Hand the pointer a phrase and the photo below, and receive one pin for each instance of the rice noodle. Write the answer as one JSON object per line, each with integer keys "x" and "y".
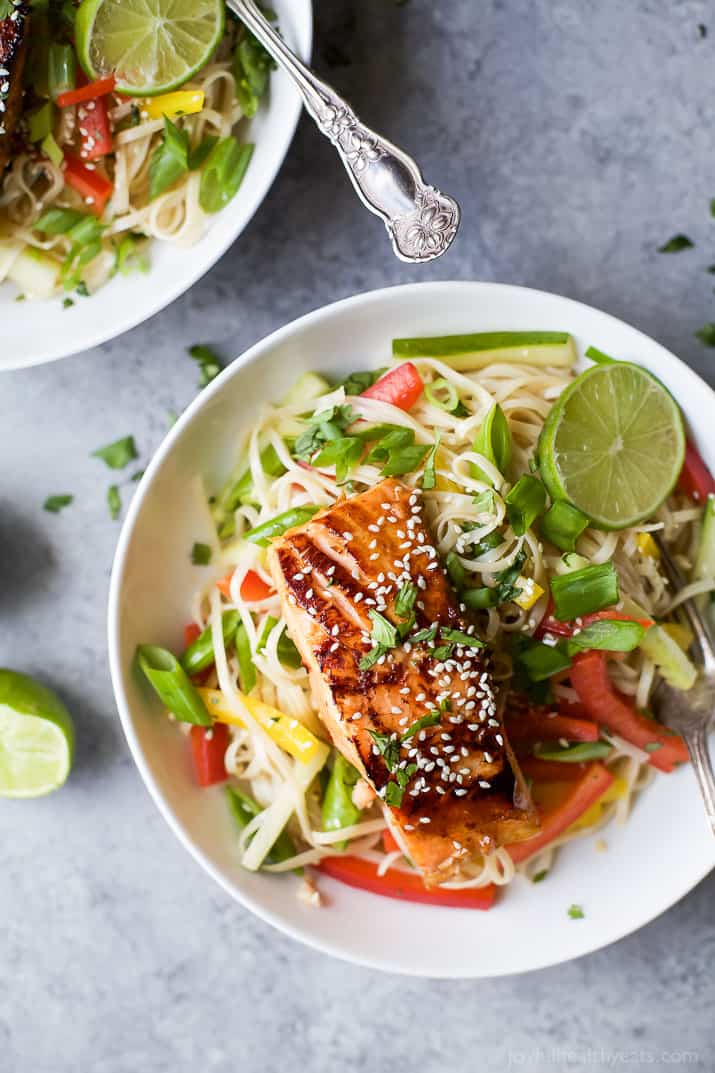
{"x": 32, "y": 185}
{"x": 459, "y": 527}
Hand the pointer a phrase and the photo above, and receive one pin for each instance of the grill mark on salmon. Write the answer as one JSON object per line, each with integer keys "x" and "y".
{"x": 14, "y": 36}
{"x": 460, "y": 786}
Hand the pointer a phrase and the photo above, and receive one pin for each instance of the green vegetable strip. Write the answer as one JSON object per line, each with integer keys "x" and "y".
{"x": 479, "y": 599}
{"x": 611, "y": 636}
{"x": 338, "y": 808}
{"x": 39, "y": 122}
{"x": 563, "y": 524}
{"x": 239, "y": 491}
{"x": 200, "y": 654}
{"x": 246, "y": 669}
{"x": 442, "y": 394}
{"x": 61, "y": 69}
{"x": 476, "y": 350}
{"x": 244, "y": 809}
{"x": 574, "y": 754}
{"x": 263, "y": 534}
{"x": 584, "y": 591}
{"x": 524, "y": 503}
{"x": 457, "y": 573}
{"x": 172, "y": 684}
{"x": 598, "y": 356}
{"x": 541, "y": 661}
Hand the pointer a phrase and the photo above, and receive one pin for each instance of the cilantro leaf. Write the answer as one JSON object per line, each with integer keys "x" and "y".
{"x": 356, "y": 383}
{"x": 388, "y": 747}
{"x": 118, "y": 454}
{"x": 114, "y": 502}
{"x": 429, "y": 477}
{"x": 429, "y": 720}
{"x": 676, "y": 244}
{"x": 201, "y": 554}
{"x": 576, "y": 912}
{"x": 405, "y": 601}
{"x": 54, "y": 504}
{"x": 322, "y": 428}
{"x": 706, "y": 334}
{"x": 383, "y": 632}
{"x": 459, "y": 637}
{"x": 207, "y": 361}
{"x": 343, "y": 453}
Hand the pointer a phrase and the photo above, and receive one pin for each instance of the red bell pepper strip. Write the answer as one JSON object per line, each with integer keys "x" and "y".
{"x": 94, "y": 128}
{"x": 191, "y": 634}
{"x": 589, "y": 677}
{"x": 401, "y": 387}
{"x": 95, "y": 188}
{"x": 592, "y": 783}
{"x": 208, "y": 748}
{"x": 253, "y": 587}
{"x": 407, "y": 886}
{"x": 88, "y": 92}
{"x": 552, "y": 625}
{"x": 534, "y": 724}
{"x": 695, "y": 478}
{"x": 389, "y": 842}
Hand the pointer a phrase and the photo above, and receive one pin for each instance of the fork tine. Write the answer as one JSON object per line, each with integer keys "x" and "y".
{"x": 696, "y": 620}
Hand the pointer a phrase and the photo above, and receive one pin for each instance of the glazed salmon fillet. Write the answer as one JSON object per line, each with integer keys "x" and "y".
{"x": 401, "y": 679}
{"x": 14, "y": 33}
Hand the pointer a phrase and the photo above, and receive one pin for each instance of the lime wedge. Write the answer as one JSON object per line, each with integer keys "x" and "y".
{"x": 151, "y": 46}
{"x": 36, "y": 737}
{"x": 613, "y": 445}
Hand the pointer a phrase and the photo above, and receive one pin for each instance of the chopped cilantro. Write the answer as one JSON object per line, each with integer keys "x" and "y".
{"x": 540, "y": 876}
{"x": 426, "y": 635}
{"x": 322, "y": 428}
{"x": 459, "y": 637}
{"x": 67, "y": 303}
{"x": 429, "y": 720}
{"x": 356, "y": 383}
{"x": 706, "y": 334}
{"x": 114, "y": 502}
{"x": 118, "y": 454}
{"x": 54, "y": 504}
{"x": 388, "y": 747}
{"x": 201, "y": 554}
{"x": 405, "y": 599}
{"x": 429, "y": 477}
{"x": 676, "y": 244}
{"x": 343, "y": 453}
{"x": 576, "y": 912}
{"x": 208, "y": 362}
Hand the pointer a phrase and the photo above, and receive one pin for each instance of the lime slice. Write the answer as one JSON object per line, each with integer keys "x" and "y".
{"x": 36, "y": 737}
{"x": 151, "y": 46}
{"x": 613, "y": 445}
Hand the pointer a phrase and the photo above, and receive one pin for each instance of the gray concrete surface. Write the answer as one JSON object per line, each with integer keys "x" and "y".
{"x": 578, "y": 138}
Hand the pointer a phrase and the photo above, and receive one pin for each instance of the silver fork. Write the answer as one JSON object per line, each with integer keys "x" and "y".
{"x": 690, "y": 713}
{"x": 421, "y": 221}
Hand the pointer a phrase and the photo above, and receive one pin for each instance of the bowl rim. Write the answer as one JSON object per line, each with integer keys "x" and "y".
{"x": 52, "y": 351}
{"x": 250, "y": 356}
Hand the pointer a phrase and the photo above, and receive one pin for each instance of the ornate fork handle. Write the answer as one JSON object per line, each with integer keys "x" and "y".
{"x": 421, "y": 221}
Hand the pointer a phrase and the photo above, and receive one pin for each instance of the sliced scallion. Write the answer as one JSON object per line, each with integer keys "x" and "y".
{"x": 584, "y": 591}
{"x": 563, "y": 524}
{"x": 524, "y": 503}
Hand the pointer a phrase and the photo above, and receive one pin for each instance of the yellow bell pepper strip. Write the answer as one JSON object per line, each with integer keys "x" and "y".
{"x": 183, "y": 102}
{"x": 286, "y": 732}
{"x": 647, "y": 546}
{"x": 682, "y": 635}
{"x": 529, "y": 593}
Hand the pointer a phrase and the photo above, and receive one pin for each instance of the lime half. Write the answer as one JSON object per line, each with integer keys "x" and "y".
{"x": 151, "y": 46}
{"x": 36, "y": 737}
{"x": 613, "y": 445}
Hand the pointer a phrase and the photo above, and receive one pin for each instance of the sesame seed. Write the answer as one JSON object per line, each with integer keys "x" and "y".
{"x": 425, "y": 819}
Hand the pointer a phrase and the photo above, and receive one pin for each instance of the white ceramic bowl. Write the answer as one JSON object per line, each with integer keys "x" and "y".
{"x": 666, "y": 847}
{"x": 36, "y": 332}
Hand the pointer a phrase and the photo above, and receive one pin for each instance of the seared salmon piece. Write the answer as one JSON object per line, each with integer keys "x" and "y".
{"x": 400, "y": 677}
{"x": 14, "y": 35}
